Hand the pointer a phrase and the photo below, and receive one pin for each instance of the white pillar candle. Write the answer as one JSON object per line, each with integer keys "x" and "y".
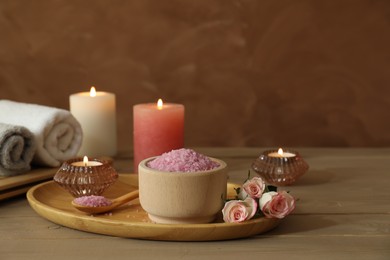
{"x": 96, "y": 112}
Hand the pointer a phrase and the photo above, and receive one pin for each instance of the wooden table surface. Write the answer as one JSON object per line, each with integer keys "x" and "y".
{"x": 343, "y": 212}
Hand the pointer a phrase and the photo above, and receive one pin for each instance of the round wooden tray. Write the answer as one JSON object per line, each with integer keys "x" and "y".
{"x": 53, "y": 203}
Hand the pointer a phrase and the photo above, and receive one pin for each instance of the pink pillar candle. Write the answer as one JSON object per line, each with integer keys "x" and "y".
{"x": 157, "y": 129}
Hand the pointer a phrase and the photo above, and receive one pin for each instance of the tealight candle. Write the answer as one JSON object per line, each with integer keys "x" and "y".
{"x": 281, "y": 154}
{"x": 158, "y": 128}
{"x": 85, "y": 177}
{"x": 86, "y": 162}
{"x": 280, "y": 168}
{"x": 96, "y": 112}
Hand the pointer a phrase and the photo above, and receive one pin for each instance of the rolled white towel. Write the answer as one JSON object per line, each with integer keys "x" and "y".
{"x": 17, "y": 148}
{"x": 57, "y": 133}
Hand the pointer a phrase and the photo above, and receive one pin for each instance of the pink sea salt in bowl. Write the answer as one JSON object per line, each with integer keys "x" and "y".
{"x": 183, "y": 196}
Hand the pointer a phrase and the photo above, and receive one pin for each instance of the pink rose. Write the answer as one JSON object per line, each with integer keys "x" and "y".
{"x": 276, "y": 204}
{"x": 254, "y": 187}
{"x": 236, "y": 211}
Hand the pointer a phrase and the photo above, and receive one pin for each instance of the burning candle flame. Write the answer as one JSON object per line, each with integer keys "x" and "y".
{"x": 85, "y": 160}
{"x": 92, "y": 92}
{"x": 280, "y": 151}
{"x": 159, "y": 104}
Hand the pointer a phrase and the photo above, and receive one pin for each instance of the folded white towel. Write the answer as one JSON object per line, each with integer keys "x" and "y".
{"x": 17, "y": 148}
{"x": 57, "y": 133}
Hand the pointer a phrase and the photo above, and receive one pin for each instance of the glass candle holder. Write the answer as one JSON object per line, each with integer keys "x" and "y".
{"x": 280, "y": 170}
{"x": 80, "y": 180}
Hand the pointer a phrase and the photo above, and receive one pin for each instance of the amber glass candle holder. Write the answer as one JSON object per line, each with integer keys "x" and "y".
{"x": 280, "y": 170}
{"x": 81, "y": 180}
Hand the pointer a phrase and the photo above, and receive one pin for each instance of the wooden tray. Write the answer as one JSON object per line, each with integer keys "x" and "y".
{"x": 53, "y": 203}
{"x": 20, "y": 184}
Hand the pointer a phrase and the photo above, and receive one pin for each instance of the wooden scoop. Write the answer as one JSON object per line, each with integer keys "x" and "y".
{"x": 115, "y": 203}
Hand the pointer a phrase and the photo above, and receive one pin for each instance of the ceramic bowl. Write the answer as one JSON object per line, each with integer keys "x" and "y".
{"x": 182, "y": 197}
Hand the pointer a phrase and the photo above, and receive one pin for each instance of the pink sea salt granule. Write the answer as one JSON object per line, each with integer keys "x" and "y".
{"x": 182, "y": 160}
{"x": 93, "y": 201}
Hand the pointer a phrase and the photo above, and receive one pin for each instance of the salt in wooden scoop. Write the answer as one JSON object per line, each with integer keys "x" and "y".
{"x": 107, "y": 204}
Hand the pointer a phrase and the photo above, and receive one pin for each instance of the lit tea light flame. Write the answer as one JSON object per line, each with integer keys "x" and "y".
{"x": 85, "y": 161}
{"x": 92, "y": 92}
{"x": 281, "y": 154}
{"x": 159, "y": 104}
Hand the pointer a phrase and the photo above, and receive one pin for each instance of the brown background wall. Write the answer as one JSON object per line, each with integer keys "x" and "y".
{"x": 250, "y": 73}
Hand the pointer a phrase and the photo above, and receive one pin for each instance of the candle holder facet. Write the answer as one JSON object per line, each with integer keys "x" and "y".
{"x": 85, "y": 180}
{"x": 280, "y": 171}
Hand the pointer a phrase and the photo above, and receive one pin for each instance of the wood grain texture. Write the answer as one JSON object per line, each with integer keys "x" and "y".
{"x": 250, "y": 73}
{"x": 20, "y": 184}
{"x": 342, "y": 213}
{"x": 131, "y": 221}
